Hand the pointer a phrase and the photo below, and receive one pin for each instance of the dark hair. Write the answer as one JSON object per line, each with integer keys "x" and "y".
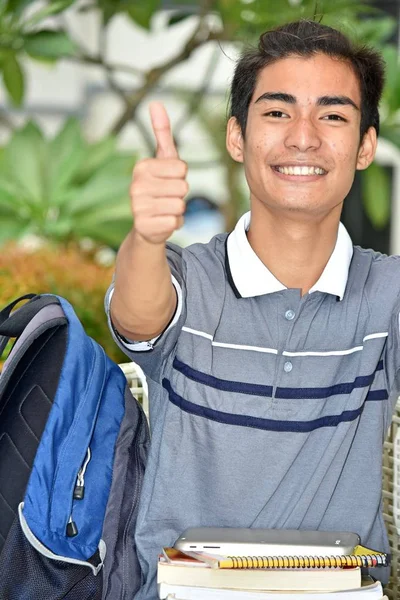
{"x": 305, "y": 39}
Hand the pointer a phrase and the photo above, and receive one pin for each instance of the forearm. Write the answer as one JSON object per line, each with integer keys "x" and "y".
{"x": 144, "y": 298}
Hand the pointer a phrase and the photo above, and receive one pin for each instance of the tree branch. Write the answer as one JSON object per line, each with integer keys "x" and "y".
{"x": 199, "y": 37}
{"x": 87, "y": 59}
{"x": 197, "y": 96}
{"x": 147, "y": 137}
{"x": 120, "y": 91}
{"x": 83, "y": 56}
{"x": 102, "y": 44}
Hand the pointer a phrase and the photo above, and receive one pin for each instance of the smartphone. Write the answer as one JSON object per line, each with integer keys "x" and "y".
{"x": 232, "y": 541}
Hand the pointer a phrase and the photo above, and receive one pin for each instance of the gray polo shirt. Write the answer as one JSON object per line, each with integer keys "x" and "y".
{"x": 269, "y": 409}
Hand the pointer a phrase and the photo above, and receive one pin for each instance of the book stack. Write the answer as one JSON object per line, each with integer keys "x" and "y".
{"x": 203, "y": 576}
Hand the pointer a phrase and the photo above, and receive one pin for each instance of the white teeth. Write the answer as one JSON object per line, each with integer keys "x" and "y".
{"x": 301, "y": 170}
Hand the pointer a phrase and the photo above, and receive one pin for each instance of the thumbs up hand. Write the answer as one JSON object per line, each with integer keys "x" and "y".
{"x": 159, "y": 185}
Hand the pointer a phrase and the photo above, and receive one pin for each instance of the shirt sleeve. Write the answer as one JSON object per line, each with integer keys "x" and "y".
{"x": 143, "y": 346}
{"x": 150, "y": 354}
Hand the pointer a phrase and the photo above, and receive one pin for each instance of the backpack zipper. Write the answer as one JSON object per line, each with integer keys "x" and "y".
{"x": 79, "y": 493}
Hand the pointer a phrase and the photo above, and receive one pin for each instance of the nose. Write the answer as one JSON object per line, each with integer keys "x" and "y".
{"x": 303, "y": 135}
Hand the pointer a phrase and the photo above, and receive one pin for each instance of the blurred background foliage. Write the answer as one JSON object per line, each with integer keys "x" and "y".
{"x": 70, "y": 273}
{"x": 63, "y": 189}
{"x": 66, "y": 189}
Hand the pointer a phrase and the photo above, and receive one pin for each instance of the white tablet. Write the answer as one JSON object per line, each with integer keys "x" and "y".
{"x": 231, "y": 541}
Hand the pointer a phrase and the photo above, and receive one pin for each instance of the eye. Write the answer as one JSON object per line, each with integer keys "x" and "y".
{"x": 277, "y": 114}
{"x": 334, "y": 118}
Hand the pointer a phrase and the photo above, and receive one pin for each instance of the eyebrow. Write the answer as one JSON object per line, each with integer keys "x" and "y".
{"x": 322, "y": 101}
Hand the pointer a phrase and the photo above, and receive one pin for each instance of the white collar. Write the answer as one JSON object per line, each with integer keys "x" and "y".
{"x": 252, "y": 278}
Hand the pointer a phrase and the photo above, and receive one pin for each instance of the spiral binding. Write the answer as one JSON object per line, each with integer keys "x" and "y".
{"x": 304, "y": 562}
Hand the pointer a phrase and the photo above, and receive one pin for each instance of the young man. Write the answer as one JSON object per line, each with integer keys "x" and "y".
{"x": 271, "y": 353}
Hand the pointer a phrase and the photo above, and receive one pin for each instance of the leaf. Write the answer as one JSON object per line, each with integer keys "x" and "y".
{"x": 178, "y": 17}
{"x": 99, "y": 191}
{"x": 376, "y": 190}
{"x": 120, "y": 165}
{"x": 13, "y": 77}
{"x": 142, "y": 12}
{"x": 108, "y": 233}
{"x": 58, "y": 229}
{"x": 66, "y": 153}
{"x": 53, "y": 8}
{"x": 25, "y": 161}
{"x": 375, "y": 31}
{"x": 17, "y": 6}
{"x": 119, "y": 209}
{"x": 8, "y": 199}
{"x": 247, "y": 19}
{"x": 11, "y": 193}
{"x": 392, "y": 134}
{"x": 391, "y": 92}
{"x": 40, "y": 188}
{"x": 95, "y": 156}
{"x": 11, "y": 228}
{"x": 49, "y": 44}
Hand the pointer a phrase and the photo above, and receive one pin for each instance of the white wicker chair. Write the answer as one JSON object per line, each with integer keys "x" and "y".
{"x": 391, "y": 500}
{"x": 137, "y": 384}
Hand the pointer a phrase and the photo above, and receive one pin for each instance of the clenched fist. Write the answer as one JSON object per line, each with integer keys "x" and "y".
{"x": 159, "y": 185}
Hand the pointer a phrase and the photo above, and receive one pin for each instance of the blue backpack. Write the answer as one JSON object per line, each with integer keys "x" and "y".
{"x": 73, "y": 447}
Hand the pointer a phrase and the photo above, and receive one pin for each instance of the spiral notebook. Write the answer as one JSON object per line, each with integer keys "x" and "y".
{"x": 176, "y": 568}
{"x": 360, "y": 557}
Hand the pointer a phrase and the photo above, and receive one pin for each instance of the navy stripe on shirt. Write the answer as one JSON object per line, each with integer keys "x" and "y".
{"x": 259, "y": 422}
{"x": 281, "y": 392}
{"x": 222, "y": 384}
{"x": 377, "y": 395}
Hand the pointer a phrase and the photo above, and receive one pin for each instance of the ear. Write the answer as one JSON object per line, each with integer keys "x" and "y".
{"x": 367, "y": 149}
{"x": 234, "y": 140}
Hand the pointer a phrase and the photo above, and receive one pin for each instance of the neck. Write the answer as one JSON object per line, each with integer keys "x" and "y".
{"x": 295, "y": 251}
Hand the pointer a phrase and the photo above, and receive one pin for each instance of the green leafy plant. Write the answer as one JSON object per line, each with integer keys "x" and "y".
{"x": 25, "y": 33}
{"x": 64, "y": 188}
{"x": 375, "y": 181}
{"x": 21, "y": 36}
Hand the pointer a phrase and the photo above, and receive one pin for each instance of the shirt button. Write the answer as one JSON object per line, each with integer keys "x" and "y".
{"x": 288, "y": 366}
{"x": 289, "y": 315}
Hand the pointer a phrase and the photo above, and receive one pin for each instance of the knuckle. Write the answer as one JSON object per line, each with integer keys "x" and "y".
{"x": 139, "y": 167}
{"x": 181, "y": 205}
{"x": 184, "y": 187}
{"x": 143, "y": 169}
{"x": 184, "y": 168}
{"x": 135, "y": 188}
{"x": 144, "y": 164}
{"x": 140, "y": 204}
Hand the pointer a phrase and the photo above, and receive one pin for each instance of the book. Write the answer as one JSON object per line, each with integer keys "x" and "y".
{"x": 175, "y": 567}
{"x": 179, "y": 592}
{"x": 361, "y": 557}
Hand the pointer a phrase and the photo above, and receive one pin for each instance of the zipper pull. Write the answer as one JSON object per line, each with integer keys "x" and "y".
{"x": 72, "y": 529}
{"x": 79, "y": 490}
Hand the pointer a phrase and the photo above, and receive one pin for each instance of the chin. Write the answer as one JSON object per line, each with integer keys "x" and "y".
{"x": 302, "y": 205}
{"x": 304, "y": 209}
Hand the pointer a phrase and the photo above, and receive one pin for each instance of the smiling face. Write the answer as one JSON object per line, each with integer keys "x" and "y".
{"x": 302, "y": 141}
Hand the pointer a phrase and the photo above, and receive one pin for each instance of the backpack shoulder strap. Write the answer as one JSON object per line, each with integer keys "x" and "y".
{"x": 13, "y": 324}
